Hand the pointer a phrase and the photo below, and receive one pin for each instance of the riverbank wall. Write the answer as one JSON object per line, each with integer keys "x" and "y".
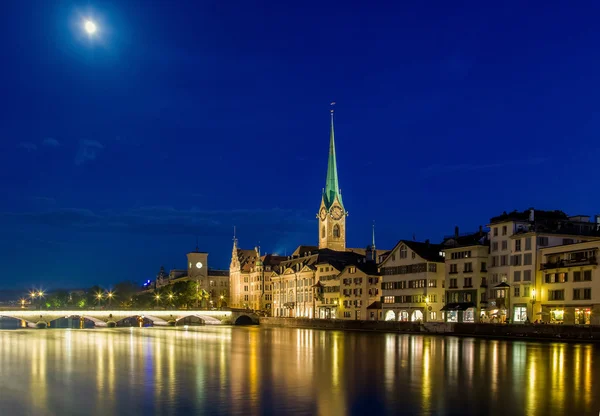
{"x": 515, "y": 331}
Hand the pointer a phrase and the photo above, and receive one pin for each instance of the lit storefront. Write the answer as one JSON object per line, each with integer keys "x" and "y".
{"x": 583, "y": 316}
{"x": 460, "y": 312}
{"x": 557, "y": 316}
{"x": 520, "y": 313}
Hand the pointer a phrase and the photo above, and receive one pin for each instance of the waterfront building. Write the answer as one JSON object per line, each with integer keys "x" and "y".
{"x": 413, "y": 282}
{"x": 251, "y": 285}
{"x": 215, "y": 282}
{"x": 466, "y": 258}
{"x": 515, "y": 241}
{"x": 568, "y": 289}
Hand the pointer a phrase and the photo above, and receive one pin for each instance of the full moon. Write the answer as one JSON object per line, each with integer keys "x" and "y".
{"x": 90, "y": 27}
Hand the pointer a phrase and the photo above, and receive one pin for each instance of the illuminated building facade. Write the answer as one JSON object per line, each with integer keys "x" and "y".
{"x": 568, "y": 289}
{"x": 515, "y": 241}
{"x": 466, "y": 258}
{"x": 413, "y": 282}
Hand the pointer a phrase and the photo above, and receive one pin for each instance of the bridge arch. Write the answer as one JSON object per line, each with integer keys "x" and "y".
{"x": 206, "y": 320}
{"x": 21, "y": 323}
{"x": 134, "y": 321}
{"x": 89, "y": 322}
{"x": 245, "y": 320}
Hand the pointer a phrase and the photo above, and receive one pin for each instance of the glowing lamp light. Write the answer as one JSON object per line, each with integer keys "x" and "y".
{"x": 90, "y": 27}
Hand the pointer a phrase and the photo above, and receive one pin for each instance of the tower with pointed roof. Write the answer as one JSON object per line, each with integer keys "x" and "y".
{"x": 332, "y": 214}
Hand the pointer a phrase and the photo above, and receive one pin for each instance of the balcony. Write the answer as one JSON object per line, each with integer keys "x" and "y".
{"x": 570, "y": 263}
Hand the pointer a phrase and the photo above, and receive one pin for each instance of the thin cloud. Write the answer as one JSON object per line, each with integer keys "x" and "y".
{"x": 50, "y": 142}
{"x": 88, "y": 150}
{"x": 30, "y": 147}
{"x": 165, "y": 220}
{"x": 434, "y": 170}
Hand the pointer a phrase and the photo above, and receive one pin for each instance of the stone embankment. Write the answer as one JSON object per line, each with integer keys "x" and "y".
{"x": 517, "y": 331}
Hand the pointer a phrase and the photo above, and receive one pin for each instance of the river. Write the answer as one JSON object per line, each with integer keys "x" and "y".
{"x": 258, "y": 370}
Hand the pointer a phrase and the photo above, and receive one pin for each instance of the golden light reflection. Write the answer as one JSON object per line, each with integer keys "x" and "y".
{"x": 587, "y": 383}
{"x": 253, "y": 358}
{"x": 426, "y": 377}
{"x": 391, "y": 345}
{"x": 167, "y": 367}
{"x": 495, "y": 369}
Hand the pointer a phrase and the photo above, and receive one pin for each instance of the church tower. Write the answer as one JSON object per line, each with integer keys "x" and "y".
{"x": 332, "y": 215}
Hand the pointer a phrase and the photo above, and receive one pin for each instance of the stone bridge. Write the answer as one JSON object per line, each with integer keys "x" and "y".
{"x": 101, "y": 318}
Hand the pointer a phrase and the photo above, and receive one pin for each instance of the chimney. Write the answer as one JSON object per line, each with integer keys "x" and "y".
{"x": 427, "y": 242}
{"x": 481, "y": 229}
{"x": 456, "y": 232}
{"x": 531, "y": 215}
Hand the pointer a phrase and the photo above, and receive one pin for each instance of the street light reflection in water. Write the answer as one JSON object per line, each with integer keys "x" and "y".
{"x": 252, "y": 370}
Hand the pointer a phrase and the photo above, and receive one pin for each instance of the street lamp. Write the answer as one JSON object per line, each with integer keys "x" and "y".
{"x": 40, "y": 294}
{"x": 99, "y": 297}
{"x": 171, "y": 299}
{"x": 110, "y": 295}
{"x": 532, "y": 302}
{"x": 157, "y": 297}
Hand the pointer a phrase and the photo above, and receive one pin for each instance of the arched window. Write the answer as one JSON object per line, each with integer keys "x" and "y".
{"x": 336, "y": 231}
{"x": 390, "y": 316}
{"x": 323, "y": 232}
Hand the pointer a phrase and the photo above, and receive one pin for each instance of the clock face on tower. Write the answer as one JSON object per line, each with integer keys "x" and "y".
{"x": 337, "y": 213}
{"x": 199, "y": 265}
{"x": 323, "y": 214}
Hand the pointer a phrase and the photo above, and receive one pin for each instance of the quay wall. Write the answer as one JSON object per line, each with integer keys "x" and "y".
{"x": 478, "y": 330}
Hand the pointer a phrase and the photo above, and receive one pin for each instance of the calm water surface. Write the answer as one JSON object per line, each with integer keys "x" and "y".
{"x": 252, "y": 371}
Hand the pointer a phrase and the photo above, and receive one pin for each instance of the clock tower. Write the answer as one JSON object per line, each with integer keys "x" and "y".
{"x": 197, "y": 265}
{"x": 332, "y": 215}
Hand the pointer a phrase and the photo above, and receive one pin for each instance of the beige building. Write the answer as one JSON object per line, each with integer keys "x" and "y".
{"x": 360, "y": 292}
{"x": 214, "y": 282}
{"x": 413, "y": 282}
{"x": 568, "y": 288}
{"x": 251, "y": 272}
{"x": 515, "y": 241}
{"x": 326, "y": 284}
{"x": 466, "y": 258}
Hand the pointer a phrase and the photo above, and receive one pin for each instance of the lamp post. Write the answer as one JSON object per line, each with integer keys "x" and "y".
{"x": 426, "y": 309}
{"x": 221, "y": 302}
{"x": 40, "y": 295}
{"x": 171, "y": 299}
{"x": 532, "y": 302}
{"x": 335, "y": 308}
{"x": 157, "y": 297}
{"x": 109, "y": 295}
{"x": 99, "y": 298}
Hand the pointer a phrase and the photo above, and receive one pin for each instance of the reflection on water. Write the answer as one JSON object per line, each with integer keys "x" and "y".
{"x": 225, "y": 370}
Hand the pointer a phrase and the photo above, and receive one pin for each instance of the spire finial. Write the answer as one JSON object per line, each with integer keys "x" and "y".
{"x": 373, "y": 244}
{"x": 332, "y": 189}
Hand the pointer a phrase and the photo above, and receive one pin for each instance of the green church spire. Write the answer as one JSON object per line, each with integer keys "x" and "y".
{"x": 332, "y": 188}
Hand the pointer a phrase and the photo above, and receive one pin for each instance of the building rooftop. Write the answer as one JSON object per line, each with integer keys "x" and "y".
{"x": 526, "y": 215}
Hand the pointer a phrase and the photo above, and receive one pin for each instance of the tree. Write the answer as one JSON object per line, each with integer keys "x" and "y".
{"x": 58, "y": 299}
{"x": 124, "y": 293}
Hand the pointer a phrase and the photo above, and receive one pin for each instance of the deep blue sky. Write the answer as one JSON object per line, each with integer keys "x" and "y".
{"x": 183, "y": 119}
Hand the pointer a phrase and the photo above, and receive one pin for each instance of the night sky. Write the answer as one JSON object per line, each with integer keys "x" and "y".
{"x": 179, "y": 120}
